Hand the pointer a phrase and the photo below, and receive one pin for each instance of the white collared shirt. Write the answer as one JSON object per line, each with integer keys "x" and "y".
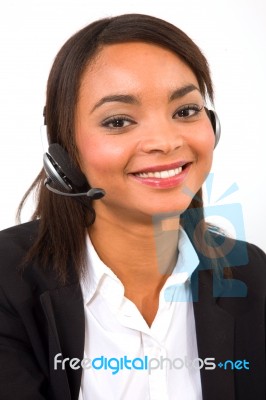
{"x": 125, "y": 359}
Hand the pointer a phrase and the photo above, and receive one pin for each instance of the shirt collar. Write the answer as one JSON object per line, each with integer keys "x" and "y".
{"x": 97, "y": 271}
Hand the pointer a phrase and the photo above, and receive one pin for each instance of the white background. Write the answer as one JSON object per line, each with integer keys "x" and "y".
{"x": 232, "y": 35}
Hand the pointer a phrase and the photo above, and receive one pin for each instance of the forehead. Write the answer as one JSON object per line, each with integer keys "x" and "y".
{"x": 133, "y": 65}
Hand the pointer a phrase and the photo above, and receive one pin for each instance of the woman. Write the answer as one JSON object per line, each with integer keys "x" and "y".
{"x": 123, "y": 291}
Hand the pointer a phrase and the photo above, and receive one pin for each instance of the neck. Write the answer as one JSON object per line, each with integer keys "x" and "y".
{"x": 140, "y": 254}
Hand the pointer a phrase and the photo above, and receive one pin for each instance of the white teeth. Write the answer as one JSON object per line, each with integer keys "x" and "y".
{"x": 171, "y": 172}
{"x": 162, "y": 174}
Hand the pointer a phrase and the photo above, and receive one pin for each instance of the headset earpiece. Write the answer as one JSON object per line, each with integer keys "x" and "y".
{"x": 216, "y": 125}
{"x": 61, "y": 171}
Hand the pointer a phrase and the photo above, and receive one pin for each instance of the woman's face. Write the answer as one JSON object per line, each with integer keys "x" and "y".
{"x": 141, "y": 131}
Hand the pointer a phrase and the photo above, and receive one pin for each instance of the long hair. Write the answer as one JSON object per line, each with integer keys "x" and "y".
{"x": 62, "y": 221}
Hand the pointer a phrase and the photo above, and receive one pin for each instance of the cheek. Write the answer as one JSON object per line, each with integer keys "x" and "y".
{"x": 203, "y": 144}
{"x": 99, "y": 157}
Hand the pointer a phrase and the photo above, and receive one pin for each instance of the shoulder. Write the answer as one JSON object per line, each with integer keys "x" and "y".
{"x": 246, "y": 261}
{"x": 237, "y": 252}
{"x": 252, "y": 270}
{"x": 233, "y": 258}
{"x": 255, "y": 252}
{"x": 15, "y": 243}
{"x": 21, "y": 235}
{"x": 18, "y": 275}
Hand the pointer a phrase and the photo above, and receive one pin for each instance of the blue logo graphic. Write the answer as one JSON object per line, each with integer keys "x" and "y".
{"x": 238, "y": 364}
{"x": 216, "y": 248}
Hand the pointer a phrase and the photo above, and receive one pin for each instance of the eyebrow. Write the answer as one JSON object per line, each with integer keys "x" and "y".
{"x": 120, "y": 98}
{"x": 183, "y": 91}
{"x": 129, "y": 99}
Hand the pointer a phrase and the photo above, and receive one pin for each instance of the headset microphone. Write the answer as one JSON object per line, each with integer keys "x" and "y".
{"x": 94, "y": 193}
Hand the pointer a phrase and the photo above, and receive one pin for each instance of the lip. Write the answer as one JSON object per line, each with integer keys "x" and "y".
{"x": 159, "y": 168}
{"x": 164, "y": 183}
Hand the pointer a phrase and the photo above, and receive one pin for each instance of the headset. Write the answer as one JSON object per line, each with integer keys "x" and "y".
{"x": 65, "y": 179}
{"x": 216, "y": 125}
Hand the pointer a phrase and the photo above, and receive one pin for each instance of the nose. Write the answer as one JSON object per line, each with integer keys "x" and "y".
{"x": 161, "y": 138}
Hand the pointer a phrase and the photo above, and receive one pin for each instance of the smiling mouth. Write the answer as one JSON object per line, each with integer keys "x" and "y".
{"x": 164, "y": 174}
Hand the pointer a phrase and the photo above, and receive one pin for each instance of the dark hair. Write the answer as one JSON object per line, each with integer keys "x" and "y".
{"x": 63, "y": 218}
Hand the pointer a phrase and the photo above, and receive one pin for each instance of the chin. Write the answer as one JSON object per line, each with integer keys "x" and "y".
{"x": 173, "y": 209}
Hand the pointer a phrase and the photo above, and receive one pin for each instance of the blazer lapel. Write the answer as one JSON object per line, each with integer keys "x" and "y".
{"x": 215, "y": 337}
{"x": 64, "y": 312}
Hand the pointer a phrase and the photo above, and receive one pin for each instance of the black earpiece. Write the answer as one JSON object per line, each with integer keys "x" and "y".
{"x": 60, "y": 169}
{"x": 216, "y": 125}
{"x": 63, "y": 177}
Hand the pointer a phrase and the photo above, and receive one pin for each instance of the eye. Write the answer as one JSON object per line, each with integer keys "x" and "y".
{"x": 187, "y": 111}
{"x": 117, "y": 122}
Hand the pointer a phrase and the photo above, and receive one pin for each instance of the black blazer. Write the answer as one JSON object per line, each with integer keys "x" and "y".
{"x": 39, "y": 318}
